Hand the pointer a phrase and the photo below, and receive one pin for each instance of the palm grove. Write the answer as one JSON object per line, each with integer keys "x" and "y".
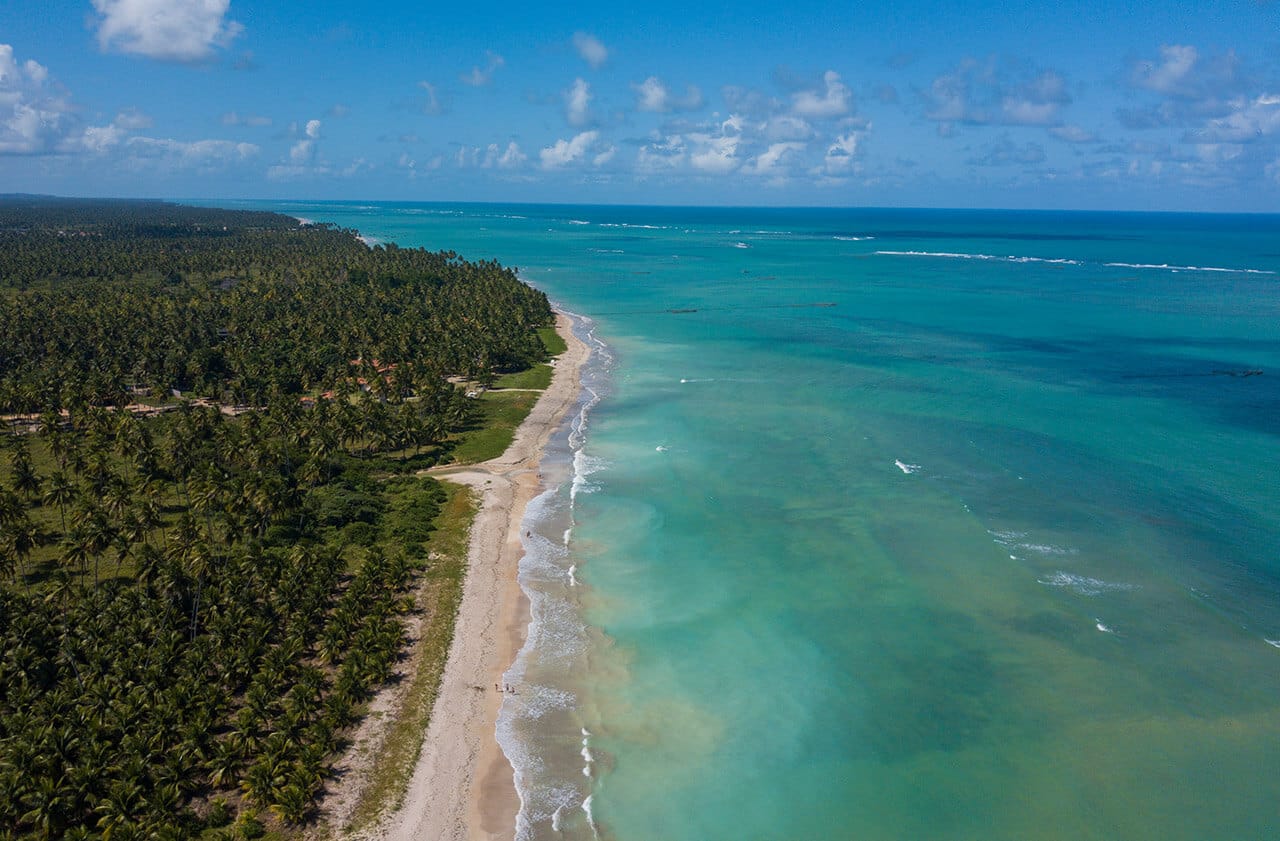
{"x": 209, "y": 522}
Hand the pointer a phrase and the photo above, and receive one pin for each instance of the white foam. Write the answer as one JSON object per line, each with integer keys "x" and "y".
{"x": 591, "y": 819}
{"x": 853, "y": 239}
{"x": 906, "y": 468}
{"x": 573, "y": 579}
{"x": 740, "y": 245}
{"x": 587, "y": 758}
{"x": 579, "y": 222}
{"x": 1010, "y": 258}
{"x": 1275, "y": 643}
{"x": 1170, "y": 268}
{"x": 1084, "y": 585}
{"x": 1101, "y": 627}
{"x": 660, "y": 449}
{"x": 369, "y": 241}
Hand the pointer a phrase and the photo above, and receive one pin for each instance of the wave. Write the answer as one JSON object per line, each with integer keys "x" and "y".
{"x": 1066, "y": 261}
{"x": 606, "y": 251}
{"x": 1011, "y": 258}
{"x": 631, "y": 225}
{"x": 907, "y": 468}
{"x": 1168, "y": 267}
{"x": 531, "y": 728}
{"x": 1084, "y": 585}
{"x": 852, "y": 239}
{"x": 740, "y": 245}
{"x": 579, "y": 222}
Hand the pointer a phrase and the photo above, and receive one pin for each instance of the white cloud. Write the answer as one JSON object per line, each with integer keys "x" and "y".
{"x": 661, "y": 154}
{"x": 132, "y": 119}
{"x": 512, "y": 157}
{"x": 478, "y": 77}
{"x": 303, "y": 151}
{"x": 100, "y": 139}
{"x": 169, "y": 30}
{"x": 834, "y": 102}
{"x": 1249, "y": 120}
{"x": 715, "y": 155}
{"x": 197, "y": 153}
{"x": 770, "y": 163}
{"x": 232, "y": 118}
{"x": 787, "y": 127}
{"x": 431, "y": 102}
{"x": 34, "y": 117}
{"x": 592, "y": 51}
{"x": 985, "y": 93}
{"x": 605, "y": 156}
{"x": 491, "y": 157}
{"x": 841, "y": 156}
{"x": 577, "y": 103}
{"x": 564, "y": 152}
{"x": 653, "y": 95}
{"x": 1172, "y": 74}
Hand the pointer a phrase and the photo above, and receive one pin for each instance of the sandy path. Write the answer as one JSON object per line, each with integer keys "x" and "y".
{"x": 463, "y": 786}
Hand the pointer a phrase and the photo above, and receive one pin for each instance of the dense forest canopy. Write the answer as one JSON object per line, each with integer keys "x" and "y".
{"x": 99, "y": 301}
{"x": 198, "y": 595}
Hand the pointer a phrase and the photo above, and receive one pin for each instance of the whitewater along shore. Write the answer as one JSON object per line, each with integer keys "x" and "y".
{"x": 463, "y": 787}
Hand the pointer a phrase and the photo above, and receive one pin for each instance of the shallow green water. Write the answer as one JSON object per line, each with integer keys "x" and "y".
{"x": 987, "y": 549}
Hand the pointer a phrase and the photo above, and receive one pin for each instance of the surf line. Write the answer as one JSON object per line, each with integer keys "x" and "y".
{"x": 686, "y": 310}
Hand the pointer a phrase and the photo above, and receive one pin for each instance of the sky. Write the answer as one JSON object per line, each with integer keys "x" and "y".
{"x": 1101, "y": 105}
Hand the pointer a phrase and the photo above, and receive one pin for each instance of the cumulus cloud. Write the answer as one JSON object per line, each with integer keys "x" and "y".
{"x": 987, "y": 93}
{"x": 200, "y": 154}
{"x": 303, "y": 151}
{"x": 771, "y": 163}
{"x": 1253, "y": 119}
{"x": 1171, "y": 74}
{"x": 480, "y": 77}
{"x": 564, "y": 152}
{"x": 833, "y": 102}
{"x": 35, "y": 116}
{"x": 577, "y": 103}
{"x": 592, "y": 51}
{"x": 168, "y": 30}
{"x": 841, "y": 158}
{"x": 652, "y": 95}
{"x": 661, "y": 154}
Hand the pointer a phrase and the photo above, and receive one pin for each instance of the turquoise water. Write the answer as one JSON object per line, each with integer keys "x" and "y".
{"x": 990, "y": 548}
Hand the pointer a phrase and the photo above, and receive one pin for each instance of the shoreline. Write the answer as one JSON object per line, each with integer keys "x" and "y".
{"x": 462, "y": 786}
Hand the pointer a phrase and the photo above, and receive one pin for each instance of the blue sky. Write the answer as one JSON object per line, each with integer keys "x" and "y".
{"x": 1153, "y": 106}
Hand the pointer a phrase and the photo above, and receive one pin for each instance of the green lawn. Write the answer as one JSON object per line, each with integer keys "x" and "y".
{"x": 539, "y": 377}
{"x": 501, "y": 412}
{"x": 552, "y": 341}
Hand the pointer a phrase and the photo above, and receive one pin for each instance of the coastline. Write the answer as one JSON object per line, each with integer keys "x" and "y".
{"x": 462, "y": 786}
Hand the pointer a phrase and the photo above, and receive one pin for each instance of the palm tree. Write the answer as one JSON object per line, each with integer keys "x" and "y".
{"x": 61, "y": 492}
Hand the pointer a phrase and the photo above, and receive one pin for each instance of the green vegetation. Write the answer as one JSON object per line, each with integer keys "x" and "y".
{"x": 500, "y": 413}
{"x": 198, "y": 596}
{"x": 438, "y": 601}
{"x": 552, "y": 341}
{"x": 538, "y": 377}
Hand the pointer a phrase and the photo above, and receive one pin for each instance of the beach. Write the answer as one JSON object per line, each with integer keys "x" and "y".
{"x": 462, "y": 786}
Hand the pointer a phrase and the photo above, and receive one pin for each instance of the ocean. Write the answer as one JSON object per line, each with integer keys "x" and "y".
{"x": 887, "y": 524}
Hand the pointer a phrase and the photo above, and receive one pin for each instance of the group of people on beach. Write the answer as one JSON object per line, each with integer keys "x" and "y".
{"x": 505, "y": 687}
